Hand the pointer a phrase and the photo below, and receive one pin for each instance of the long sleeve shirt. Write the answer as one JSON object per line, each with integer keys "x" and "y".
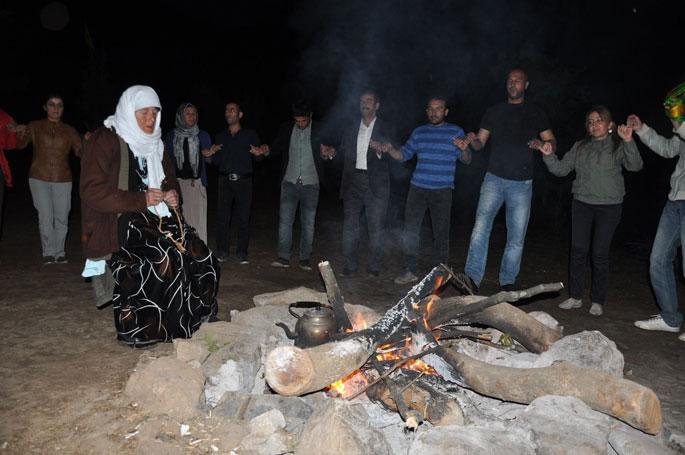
{"x": 668, "y": 148}
{"x": 599, "y": 176}
{"x": 52, "y": 142}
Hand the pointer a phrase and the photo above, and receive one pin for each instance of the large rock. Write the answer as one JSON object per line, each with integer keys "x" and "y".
{"x": 589, "y": 349}
{"x": 167, "y": 386}
{"x": 547, "y": 320}
{"x": 564, "y": 424}
{"x": 493, "y": 439}
{"x": 632, "y": 442}
{"x": 233, "y": 368}
{"x": 495, "y": 356}
{"x": 337, "y": 427}
{"x": 299, "y": 294}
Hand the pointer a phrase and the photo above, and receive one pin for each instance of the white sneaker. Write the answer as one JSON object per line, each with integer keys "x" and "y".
{"x": 406, "y": 277}
{"x": 571, "y": 303}
{"x": 596, "y": 309}
{"x": 656, "y": 323}
{"x": 681, "y": 337}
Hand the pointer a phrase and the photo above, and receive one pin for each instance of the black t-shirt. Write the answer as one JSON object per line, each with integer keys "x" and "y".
{"x": 511, "y": 126}
{"x": 235, "y": 156}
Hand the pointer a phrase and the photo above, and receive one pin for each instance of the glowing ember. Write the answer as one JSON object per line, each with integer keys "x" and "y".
{"x": 348, "y": 386}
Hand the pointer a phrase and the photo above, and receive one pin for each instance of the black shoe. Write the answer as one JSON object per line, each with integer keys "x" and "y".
{"x": 507, "y": 287}
{"x": 135, "y": 342}
{"x": 61, "y": 260}
{"x": 221, "y": 257}
{"x": 281, "y": 263}
{"x": 304, "y": 265}
{"x": 47, "y": 260}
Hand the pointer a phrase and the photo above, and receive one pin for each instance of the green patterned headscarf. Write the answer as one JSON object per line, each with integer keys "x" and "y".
{"x": 675, "y": 103}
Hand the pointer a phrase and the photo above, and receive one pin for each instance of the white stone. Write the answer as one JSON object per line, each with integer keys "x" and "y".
{"x": 589, "y": 349}
{"x": 634, "y": 442}
{"x": 267, "y": 423}
{"x": 472, "y": 439}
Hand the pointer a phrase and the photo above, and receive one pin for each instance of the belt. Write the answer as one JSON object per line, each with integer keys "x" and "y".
{"x": 360, "y": 171}
{"x": 233, "y": 177}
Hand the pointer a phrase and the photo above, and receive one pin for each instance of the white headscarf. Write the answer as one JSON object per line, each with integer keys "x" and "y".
{"x": 143, "y": 145}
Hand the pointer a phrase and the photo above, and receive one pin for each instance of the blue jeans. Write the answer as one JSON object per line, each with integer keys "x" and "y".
{"x": 669, "y": 236}
{"x": 307, "y": 196}
{"x": 516, "y": 196}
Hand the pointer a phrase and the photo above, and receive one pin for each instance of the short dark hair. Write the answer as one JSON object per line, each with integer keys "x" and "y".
{"x": 237, "y": 103}
{"x": 437, "y": 97}
{"x": 370, "y": 91}
{"x": 301, "y": 108}
{"x": 52, "y": 95}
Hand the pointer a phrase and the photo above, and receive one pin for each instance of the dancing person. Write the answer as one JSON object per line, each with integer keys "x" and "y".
{"x": 298, "y": 144}
{"x": 671, "y": 231}
{"x": 365, "y": 184}
{"x": 508, "y": 127}
{"x": 50, "y": 177}
{"x": 431, "y": 185}
{"x": 158, "y": 274}
{"x": 237, "y": 149}
{"x": 598, "y": 190}
{"x": 187, "y": 144}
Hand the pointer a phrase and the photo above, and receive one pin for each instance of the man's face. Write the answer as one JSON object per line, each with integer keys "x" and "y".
{"x": 146, "y": 118}
{"x": 233, "y": 114}
{"x": 302, "y": 121}
{"x": 368, "y": 105}
{"x": 54, "y": 108}
{"x": 517, "y": 83}
{"x": 436, "y": 111}
{"x": 190, "y": 116}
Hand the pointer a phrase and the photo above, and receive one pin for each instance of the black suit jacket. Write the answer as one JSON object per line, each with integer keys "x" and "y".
{"x": 378, "y": 169}
{"x": 281, "y": 148}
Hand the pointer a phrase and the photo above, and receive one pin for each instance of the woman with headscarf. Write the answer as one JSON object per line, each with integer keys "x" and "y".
{"x": 186, "y": 144}
{"x": 160, "y": 277}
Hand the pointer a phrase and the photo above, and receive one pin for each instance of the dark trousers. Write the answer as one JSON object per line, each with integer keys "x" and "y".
{"x": 239, "y": 194}
{"x": 594, "y": 223}
{"x": 357, "y": 198}
{"x": 439, "y": 205}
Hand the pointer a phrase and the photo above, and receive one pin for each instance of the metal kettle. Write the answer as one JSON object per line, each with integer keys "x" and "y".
{"x": 315, "y": 326}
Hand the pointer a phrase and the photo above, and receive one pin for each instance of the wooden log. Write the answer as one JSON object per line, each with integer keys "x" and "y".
{"x": 626, "y": 400}
{"x": 436, "y": 408}
{"x": 293, "y": 371}
{"x": 532, "y": 334}
{"x": 335, "y": 297}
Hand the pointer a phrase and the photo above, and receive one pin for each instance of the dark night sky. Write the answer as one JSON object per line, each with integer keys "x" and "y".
{"x": 626, "y": 55}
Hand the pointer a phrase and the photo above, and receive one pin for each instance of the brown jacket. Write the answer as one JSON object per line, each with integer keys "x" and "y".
{"x": 52, "y": 142}
{"x": 101, "y": 199}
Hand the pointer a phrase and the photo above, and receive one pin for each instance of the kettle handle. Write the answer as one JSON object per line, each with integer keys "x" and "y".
{"x": 290, "y": 310}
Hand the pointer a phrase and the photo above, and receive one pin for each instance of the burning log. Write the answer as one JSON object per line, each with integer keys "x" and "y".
{"x": 628, "y": 401}
{"x": 436, "y": 407}
{"x": 293, "y": 371}
{"x": 532, "y": 334}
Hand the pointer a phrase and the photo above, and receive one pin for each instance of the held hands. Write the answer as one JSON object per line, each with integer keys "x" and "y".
{"x": 625, "y": 132}
{"x": 171, "y": 198}
{"x": 259, "y": 151}
{"x": 153, "y": 196}
{"x": 634, "y": 123}
{"x": 380, "y": 147}
{"x": 544, "y": 146}
{"x": 19, "y": 129}
{"x": 327, "y": 152}
{"x": 211, "y": 150}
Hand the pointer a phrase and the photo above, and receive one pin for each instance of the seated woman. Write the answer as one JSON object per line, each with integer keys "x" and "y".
{"x": 160, "y": 277}
{"x": 598, "y": 190}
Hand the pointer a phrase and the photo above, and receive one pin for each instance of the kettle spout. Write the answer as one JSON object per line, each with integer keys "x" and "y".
{"x": 287, "y": 331}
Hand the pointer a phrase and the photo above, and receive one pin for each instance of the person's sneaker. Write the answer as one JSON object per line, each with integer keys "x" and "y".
{"x": 304, "y": 265}
{"x": 507, "y": 287}
{"x": 222, "y": 257}
{"x": 571, "y": 303}
{"x": 281, "y": 263}
{"x": 656, "y": 323}
{"x": 61, "y": 260}
{"x": 681, "y": 337}
{"x": 243, "y": 261}
{"x": 596, "y": 309}
{"x": 47, "y": 260}
{"x": 406, "y": 277}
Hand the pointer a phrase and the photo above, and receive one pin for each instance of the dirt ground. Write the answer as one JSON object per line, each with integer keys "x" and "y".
{"x": 62, "y": 372}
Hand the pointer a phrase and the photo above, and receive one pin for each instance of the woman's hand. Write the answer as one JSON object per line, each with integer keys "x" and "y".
{"x": 634, "y": 122}
{"x": 171, "y": 198}
{"x": 153, "y": 196}
{"x": 625, "y": 132}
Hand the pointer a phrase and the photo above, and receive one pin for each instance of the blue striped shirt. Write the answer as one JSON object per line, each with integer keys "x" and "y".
{"x": 437, "y": 156}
